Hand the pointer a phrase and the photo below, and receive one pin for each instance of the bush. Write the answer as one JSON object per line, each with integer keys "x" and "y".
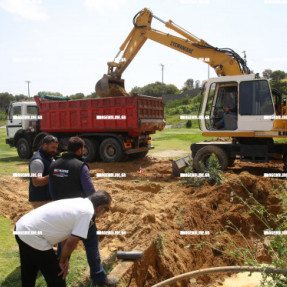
{"x": 213, "y": 169}
{"x": 215, "y": 173}
{"x": 188, "y": 124}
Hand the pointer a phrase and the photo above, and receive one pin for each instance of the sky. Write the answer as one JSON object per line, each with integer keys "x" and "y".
{"x": 64, "y": 45}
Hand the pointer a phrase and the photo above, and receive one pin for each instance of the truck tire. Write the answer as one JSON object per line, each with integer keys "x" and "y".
{"x": 138, "y": 154}
{"x": 110, "y": 150}
{"x": 90, "y": 150}
{"x": 204, "y": 153}
{"x": 24, "y": 149}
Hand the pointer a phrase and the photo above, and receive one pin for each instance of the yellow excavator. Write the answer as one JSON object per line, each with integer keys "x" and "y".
{"x": 237, "y": 104}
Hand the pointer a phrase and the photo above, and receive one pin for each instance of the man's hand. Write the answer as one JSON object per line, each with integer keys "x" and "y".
{"x": 40, "y": 181}
{"x": 67, "y": 248}
{"x": 64, "y": 265}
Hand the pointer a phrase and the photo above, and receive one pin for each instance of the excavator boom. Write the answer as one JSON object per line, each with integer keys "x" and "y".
{"x": 225, "y": 61}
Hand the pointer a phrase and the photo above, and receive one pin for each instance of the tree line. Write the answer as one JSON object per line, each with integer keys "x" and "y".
{"x": 278, "y": 80}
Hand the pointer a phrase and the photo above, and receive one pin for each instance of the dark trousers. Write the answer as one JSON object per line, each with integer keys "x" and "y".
{"x": 33, "y": 260}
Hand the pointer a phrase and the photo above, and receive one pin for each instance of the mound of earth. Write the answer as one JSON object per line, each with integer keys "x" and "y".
{"x": 153, "y": 208}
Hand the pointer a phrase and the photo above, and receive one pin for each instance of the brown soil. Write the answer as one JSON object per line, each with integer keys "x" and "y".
{"x": 154, "y": 207}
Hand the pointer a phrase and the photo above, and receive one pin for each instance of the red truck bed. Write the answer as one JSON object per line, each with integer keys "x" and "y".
{"x": 142, "y": 114}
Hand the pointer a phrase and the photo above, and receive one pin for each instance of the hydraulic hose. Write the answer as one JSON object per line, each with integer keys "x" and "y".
{"x": 221, "y": 269}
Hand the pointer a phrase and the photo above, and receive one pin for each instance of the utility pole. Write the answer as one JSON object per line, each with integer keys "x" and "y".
{"x": 28, "y": 82}
{"x": 162, "y": 68}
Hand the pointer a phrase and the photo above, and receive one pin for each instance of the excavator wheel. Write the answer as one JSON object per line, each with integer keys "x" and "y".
{"x": 204, "y": 154}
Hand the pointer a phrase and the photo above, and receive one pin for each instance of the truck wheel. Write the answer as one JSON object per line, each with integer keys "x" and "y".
{"x": 90, "y": 150}
{"x": 110, "y": 150}
{"x": 138, "y": 154}
{"x": 24, "y": 149}
{"x": 204, "y": 153}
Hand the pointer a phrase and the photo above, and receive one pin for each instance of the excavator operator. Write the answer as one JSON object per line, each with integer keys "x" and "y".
{"x": 230, "y": 110}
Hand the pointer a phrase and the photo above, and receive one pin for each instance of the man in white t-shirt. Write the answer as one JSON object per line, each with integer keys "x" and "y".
{"x": 67, "y": 221}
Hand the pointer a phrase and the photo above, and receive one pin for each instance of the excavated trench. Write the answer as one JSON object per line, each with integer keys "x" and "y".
{"x": 153, "y": 208}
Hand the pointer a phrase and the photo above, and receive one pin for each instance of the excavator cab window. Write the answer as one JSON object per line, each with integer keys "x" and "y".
{"x": 255, "y": 98}
{"x": 222, "y": 107}
{"x": 209, "y": 109}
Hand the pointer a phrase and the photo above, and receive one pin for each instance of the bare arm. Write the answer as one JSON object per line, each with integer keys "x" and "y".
{"x": 37, "y": 166}
{"x": 40, "y": 181}
{"x": 67, "y": 248}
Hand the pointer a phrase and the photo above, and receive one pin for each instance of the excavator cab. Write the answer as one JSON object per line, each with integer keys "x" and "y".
{"x": 222, "y": 106}
{"x": 238, "y": 103}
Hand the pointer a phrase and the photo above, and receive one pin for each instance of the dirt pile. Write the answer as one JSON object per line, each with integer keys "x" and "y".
{"x": 153, "y": 208}
{"x": 14, "y": 197}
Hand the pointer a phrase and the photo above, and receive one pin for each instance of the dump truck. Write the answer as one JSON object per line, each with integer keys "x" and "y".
{"x": 112, "y": 128}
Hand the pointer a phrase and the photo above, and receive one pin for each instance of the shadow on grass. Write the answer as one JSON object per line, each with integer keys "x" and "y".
{"x": 13, "y": 158}
{"x": 14, "y": 278}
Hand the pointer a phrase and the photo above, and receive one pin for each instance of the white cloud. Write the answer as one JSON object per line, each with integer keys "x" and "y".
{"x": 188, "y": 2}
{"x": 102, "y": 5}
{"x": 28, "y": 9}
{"x": 27, "y": 60}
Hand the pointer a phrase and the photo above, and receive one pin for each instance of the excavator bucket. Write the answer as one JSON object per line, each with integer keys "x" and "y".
{"x": 110, "y": 87}
{"x": 178, "y": 166}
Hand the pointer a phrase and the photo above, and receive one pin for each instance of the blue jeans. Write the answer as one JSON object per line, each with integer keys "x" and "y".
{"x": 97, "y": 272}
{"x": 220, "y": 124}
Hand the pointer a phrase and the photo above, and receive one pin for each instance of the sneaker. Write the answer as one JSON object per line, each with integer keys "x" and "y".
{"x": 108, "y": 282}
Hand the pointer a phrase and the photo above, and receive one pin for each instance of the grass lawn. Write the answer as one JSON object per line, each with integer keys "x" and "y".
{"x": 176, "y": 139}
{"x": 10, "y": 273}
{"x": 9, "y": 160}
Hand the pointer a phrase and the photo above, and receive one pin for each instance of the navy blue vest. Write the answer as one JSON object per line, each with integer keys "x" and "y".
{"x": 65, "y": 176}
{"x": 40, "y": 193}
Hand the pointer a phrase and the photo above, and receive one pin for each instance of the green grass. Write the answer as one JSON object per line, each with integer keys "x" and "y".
{"x": 10, "y": 273}
{"x": 176, "y": 139}
{"x": 9, "y": 159}
{"x": 175, "y": 120}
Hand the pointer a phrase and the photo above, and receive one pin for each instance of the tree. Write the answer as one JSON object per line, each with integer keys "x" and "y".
{"x": 156, "y": 89}
{"x": 197, "y": 84}
{"x": 5, "y": 99}
{"x": 266, "y": 73}
{"x": 189, "y": 84}
{"x": 77, "y": 96}
{"x": 278, "y": 75}
{"x": 278, "y": 81}
{"x": 21, "y": 97}
{"x": 92, "y": 95}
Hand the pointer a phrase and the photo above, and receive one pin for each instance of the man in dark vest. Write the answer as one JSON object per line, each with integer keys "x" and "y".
{"x": 39, "y": 165}
{"x": 70, "y": 178}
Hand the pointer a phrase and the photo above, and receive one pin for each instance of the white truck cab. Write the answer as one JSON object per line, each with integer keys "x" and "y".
{"x": 21, "y": 125}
